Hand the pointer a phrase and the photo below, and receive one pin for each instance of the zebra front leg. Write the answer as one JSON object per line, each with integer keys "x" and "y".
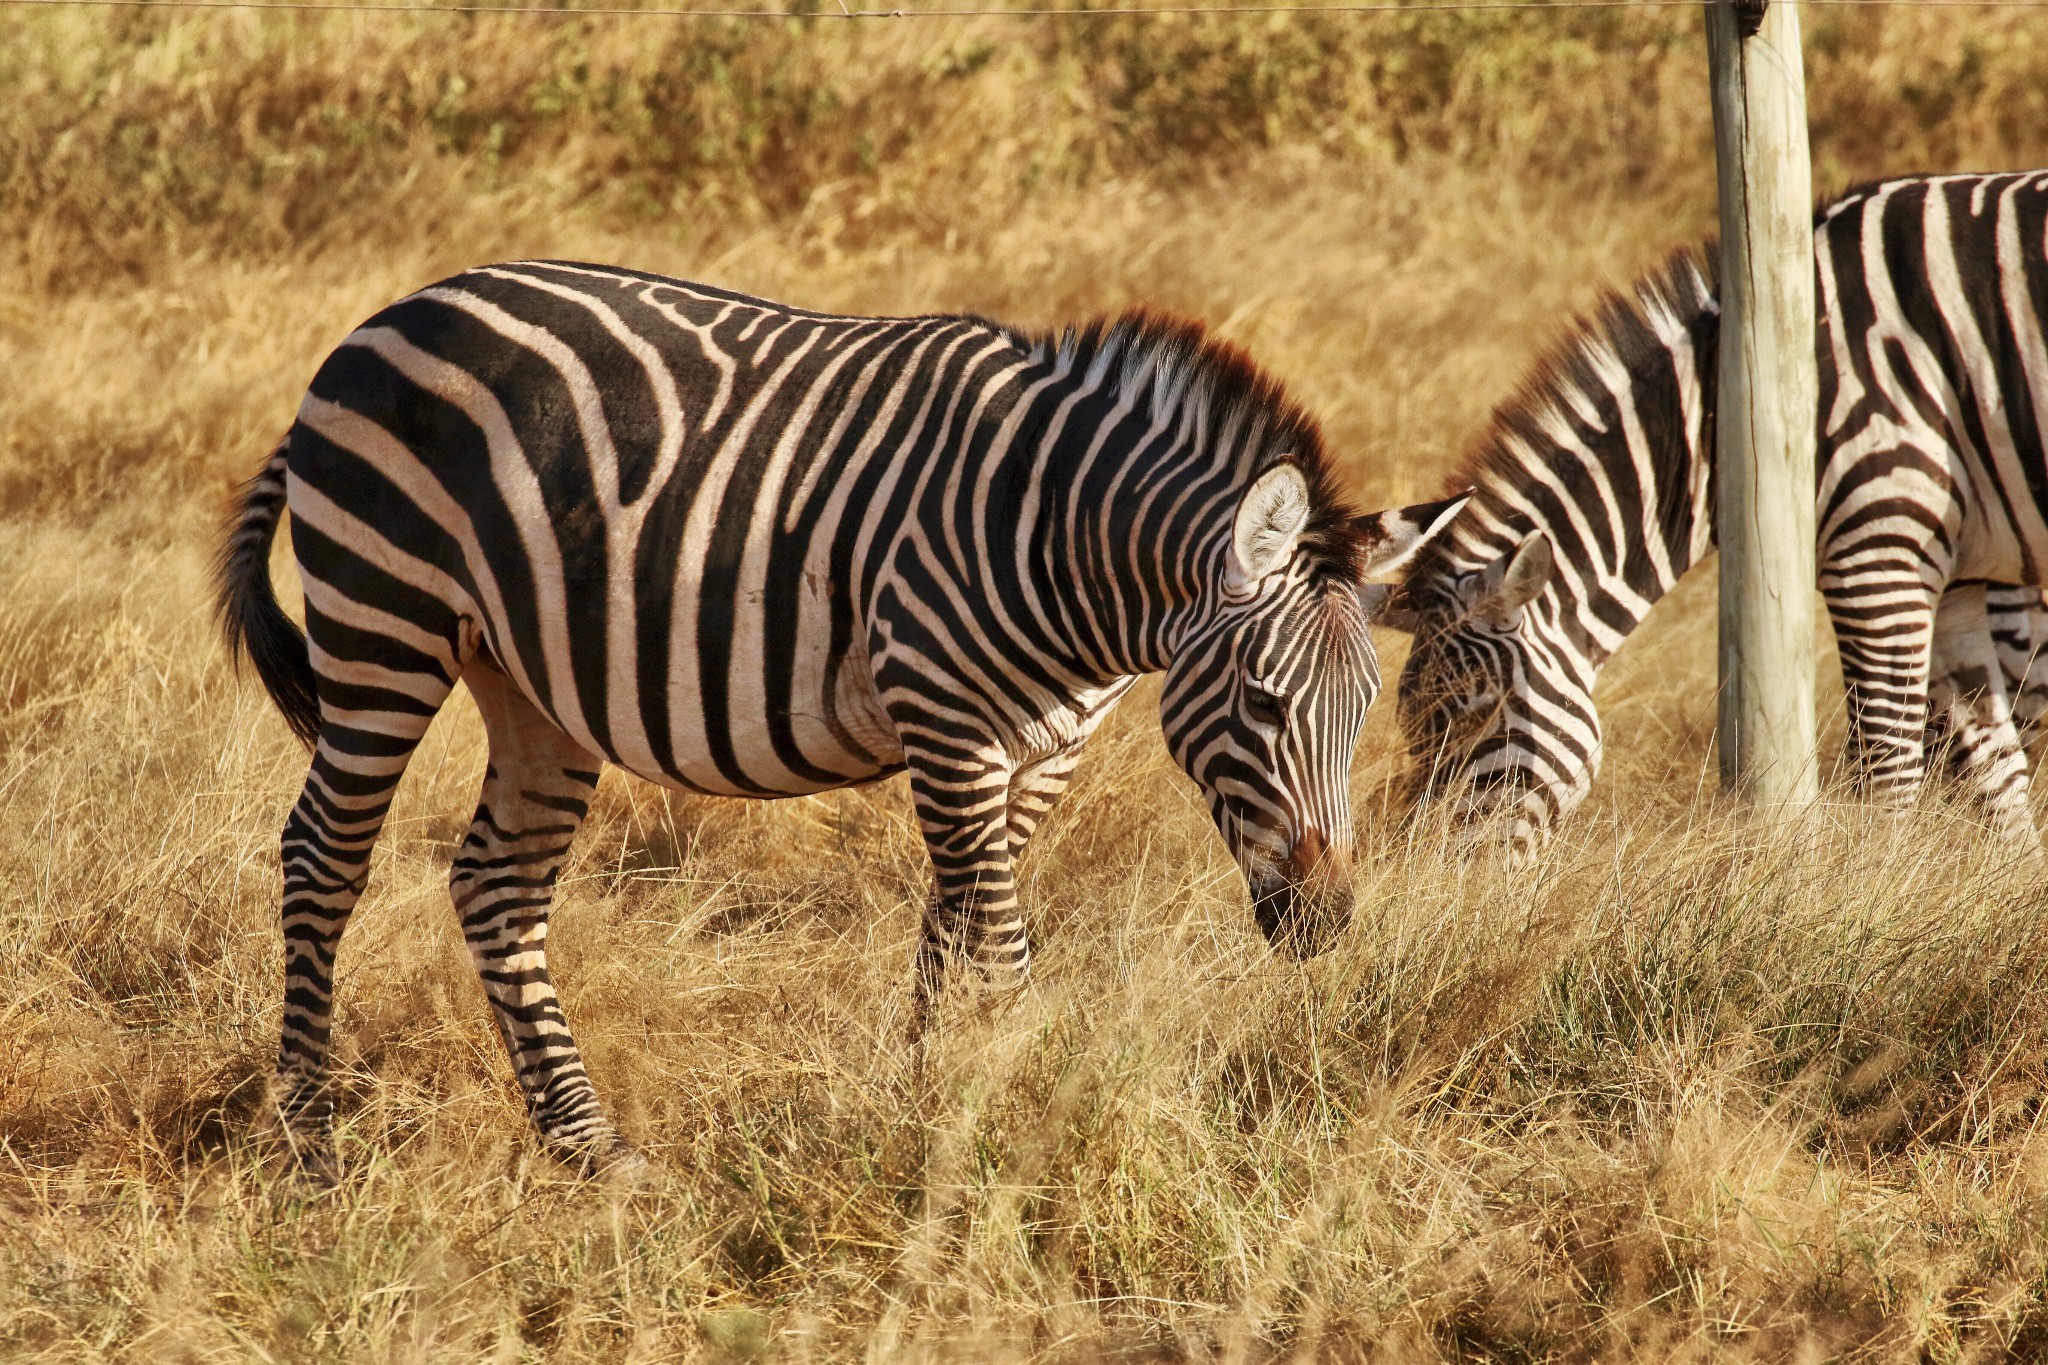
{"x": 537, "y": 789}
{"x": 1970, "y": 710}
{"x": 994, "y": 942}
{"x": 972, "y": 920}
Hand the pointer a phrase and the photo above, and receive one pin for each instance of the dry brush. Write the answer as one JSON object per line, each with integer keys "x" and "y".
{"x": 1688, "y": 1091}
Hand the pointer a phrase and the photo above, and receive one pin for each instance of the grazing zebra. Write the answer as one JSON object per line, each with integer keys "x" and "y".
{"x": 1595, "y": 494}
{"x": 741, "y": 549}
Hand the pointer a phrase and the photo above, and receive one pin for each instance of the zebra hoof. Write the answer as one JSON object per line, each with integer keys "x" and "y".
{"x": 311, "y": 1164}
{"x": 611, "y": 1160}
{"x": 309, "y": 1157}
{"x": 627, "y": 1168}
{"x": 319, "y": 1168}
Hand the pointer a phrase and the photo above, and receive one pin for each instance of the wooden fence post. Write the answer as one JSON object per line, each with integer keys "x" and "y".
{"x": 1768, "y": 393}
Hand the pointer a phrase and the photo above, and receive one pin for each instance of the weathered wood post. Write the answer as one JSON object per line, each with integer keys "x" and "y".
{"x": 1768, "y": 394}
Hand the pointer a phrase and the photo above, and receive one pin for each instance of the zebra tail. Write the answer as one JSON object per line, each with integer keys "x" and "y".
{"x": 250, "y": 617}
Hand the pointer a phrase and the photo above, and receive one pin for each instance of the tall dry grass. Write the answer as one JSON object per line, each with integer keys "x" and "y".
{"x": 1689, "y": 1091}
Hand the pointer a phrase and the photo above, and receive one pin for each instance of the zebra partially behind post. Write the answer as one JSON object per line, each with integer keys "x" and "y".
{"x": 741, "y": 549}
{"x": 1595, "y": 494}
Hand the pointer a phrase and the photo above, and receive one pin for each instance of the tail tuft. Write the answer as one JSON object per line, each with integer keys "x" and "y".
{"x": 249, "y": 615}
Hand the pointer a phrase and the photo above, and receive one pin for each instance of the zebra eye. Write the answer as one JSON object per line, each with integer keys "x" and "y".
{"x": 1267, "y": 708}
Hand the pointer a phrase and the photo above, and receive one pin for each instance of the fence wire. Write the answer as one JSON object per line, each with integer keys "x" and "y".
{"x": 1019, "y": 12}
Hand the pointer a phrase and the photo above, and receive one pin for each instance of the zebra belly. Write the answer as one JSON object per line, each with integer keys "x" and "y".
{"x": 740, "y": 727}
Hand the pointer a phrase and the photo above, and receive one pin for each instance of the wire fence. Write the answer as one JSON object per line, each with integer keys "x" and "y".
{"x": 842, "y": 11}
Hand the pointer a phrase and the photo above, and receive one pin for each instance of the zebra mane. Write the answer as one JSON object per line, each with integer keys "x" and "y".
{"x": 1171, "y": 365}
{"x": 1622, "y": 333}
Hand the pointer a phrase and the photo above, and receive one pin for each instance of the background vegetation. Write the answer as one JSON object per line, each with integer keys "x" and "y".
{"x": 1684, "y": 1092}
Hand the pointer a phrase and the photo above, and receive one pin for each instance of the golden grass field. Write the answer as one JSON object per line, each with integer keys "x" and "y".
{"x": 1689, "y": 1090}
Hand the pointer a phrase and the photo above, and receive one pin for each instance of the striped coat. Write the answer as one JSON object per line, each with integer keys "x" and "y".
{"x": 1595, "y": 496}
{"x": 743, "y": 549}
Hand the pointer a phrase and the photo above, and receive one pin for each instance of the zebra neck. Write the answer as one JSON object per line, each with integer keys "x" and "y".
{"x": 1147, "y": 434}
{"x": 1121, "y": 559}
{"x": 1610, "y": 454}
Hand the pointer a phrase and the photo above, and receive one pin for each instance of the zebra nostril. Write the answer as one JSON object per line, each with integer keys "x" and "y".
{"x": 1313, "y": 855}
{"x": 1307, "y": 854}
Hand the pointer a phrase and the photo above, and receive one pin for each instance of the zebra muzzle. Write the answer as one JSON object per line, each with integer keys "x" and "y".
{"x": 1304, "y": 902}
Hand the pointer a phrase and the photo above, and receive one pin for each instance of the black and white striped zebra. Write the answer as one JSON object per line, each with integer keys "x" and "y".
{"x": 741, "y": 549}
{"x": 1595, "y": 494}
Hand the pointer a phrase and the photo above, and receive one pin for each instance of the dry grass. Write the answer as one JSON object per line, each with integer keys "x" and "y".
{"x": 1691, "y": 1091}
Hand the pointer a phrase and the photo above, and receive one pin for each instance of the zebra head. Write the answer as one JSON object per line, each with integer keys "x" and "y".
{"x": 1268, "y": 689}
{"x": 1496, "y": 699}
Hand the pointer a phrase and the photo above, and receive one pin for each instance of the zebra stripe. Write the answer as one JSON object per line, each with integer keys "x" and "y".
{"x": 1595, "y": 496}
{"x": 743, "y": 549}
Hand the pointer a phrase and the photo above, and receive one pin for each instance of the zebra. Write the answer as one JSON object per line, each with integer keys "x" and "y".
{"x": 1595, "y": 494}
{"x": 742, "y": 549}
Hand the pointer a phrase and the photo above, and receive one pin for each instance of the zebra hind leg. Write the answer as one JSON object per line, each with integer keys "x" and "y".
{"x": 536, "y": 792}
{"x": 326, "y": 847}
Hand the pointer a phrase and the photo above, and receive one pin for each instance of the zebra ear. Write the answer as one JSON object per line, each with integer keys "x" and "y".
{"x": 1270, "y": 520}
{"x": 1392, "y": 538}
{"x": 1512, "y": 581}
